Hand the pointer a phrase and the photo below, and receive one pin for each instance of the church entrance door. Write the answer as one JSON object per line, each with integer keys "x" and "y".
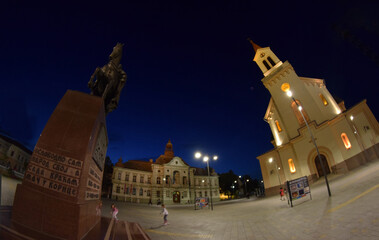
{"x": 176, "y": 197}
{"x": 318, "y": 165}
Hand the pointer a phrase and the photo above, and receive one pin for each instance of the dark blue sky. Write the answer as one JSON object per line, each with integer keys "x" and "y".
{"x": 191, "y": 77}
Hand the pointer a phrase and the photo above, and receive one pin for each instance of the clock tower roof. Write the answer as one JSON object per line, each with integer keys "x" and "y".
{"x": 255, "y": 46}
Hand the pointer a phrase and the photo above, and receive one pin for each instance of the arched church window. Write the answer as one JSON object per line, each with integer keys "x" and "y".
{"x": 278, "y": 126}
{"x": 271, "y": 61}
{"x": 296, "y": 110}
{"x": 345, "y": 141}
{"x": 266, "y": 64}
{"x": 323, "y": 100}
{"x": 291, "y": 165}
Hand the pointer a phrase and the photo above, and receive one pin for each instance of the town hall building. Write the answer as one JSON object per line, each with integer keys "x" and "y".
{"x": 168, "y": 180}
{"x": 346, "y": 138}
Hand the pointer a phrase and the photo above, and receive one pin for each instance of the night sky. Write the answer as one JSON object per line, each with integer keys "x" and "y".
{"x": 191, "y": 77}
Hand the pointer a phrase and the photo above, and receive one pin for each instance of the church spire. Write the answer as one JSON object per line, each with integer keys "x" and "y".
{"x": 255, "y": 46}
{"x": 266, "y": 60}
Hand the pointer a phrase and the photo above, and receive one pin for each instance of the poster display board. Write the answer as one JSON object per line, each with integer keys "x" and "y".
{"x": 201, "y": 202}
{"x": 298, "y": 188}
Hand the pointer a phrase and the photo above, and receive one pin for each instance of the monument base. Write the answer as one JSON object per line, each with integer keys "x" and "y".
{"x": 105, "y": 229}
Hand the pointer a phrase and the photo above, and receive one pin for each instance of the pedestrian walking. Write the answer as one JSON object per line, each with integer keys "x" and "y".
{"x": 165, "y": 213}
{"x": 98, "y": 208}
{"x": 114, "y": 211}
{"x": 282, "y": 194}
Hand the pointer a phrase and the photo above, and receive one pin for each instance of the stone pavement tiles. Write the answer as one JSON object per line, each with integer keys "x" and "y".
{"x": 351, "y": 213}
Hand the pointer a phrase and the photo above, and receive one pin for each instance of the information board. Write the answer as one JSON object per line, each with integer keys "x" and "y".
{"x": 298, "y": 188}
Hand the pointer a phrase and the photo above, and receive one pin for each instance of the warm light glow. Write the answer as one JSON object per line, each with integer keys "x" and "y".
{"x": 215, "y": 157}
{"x": 289, "y": 93}
{"x": 278, "y": 168}
{"x": 351, "y": 117}
{"x": 164, "y": 179}
{"x": 235, "y": 181}
{"x": 239, "y": 176}
{"x": 285, "y": 87}
{"x": 291, "y": 165}
{"x": 202, "y": 180}
{"x": 345, "y": 141}
{"x": 247, "y": 180}
{"x": 278, "y": 126}
{"x": 300, "y": 108}
{"x": 270, "y": 160}
{"x": 323, "y": 99}
{"x": 205, "y": 159}
{"x": 197, "y": 155}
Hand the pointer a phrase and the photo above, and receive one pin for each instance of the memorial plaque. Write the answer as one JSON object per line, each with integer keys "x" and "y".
{"x": 100, "y": 149}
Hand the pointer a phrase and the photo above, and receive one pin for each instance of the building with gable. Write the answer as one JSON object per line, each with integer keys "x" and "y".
{"x": 346, "y": 138}
{"x": 169, "y": 180}
{"x": 13, "y": 154}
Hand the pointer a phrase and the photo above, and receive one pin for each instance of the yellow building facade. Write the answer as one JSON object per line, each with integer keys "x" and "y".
{"x": 168, "y": 179}
{"x": 346, "y": 138}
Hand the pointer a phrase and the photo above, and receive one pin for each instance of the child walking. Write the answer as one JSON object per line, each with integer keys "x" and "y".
{"x": 114, "y": 211}
{"x": 165, "y": 213}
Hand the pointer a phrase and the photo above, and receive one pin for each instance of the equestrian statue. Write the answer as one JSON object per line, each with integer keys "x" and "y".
{"x": 109, "y": 80}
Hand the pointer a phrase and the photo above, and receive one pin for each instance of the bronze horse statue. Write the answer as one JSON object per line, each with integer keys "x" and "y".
{"x": 110, "y": 79}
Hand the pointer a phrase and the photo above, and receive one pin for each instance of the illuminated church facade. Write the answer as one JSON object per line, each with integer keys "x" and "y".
{"x": 346, "y": 138}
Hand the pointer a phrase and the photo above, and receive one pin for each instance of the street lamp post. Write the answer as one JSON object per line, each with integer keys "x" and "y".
{"x": 206, "y": 159}
{"x": 289, "y": 93}
{"x": 270, "y": 160}
{"x": 246, "y": 180}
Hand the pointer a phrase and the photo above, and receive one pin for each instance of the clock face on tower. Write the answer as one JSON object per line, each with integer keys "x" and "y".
{"x": 262, "y": 55}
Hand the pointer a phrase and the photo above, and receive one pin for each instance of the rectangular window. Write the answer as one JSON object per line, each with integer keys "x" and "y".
{"x": 278, "y": 126}
{"x": 266, "y": 65}
{"x": 118, "y": 190}
{"x": 148, "y": 193}
{"x": 149, "y": 179}
{"x": 119, "y": 176}
{"x": 158, "y": 193}
{"x": 345, "y": 141}
{"x": 205, "y": 194}
{"x": 271, "y": 61}
{"x": 134, "y": 178}
{"x": 127, "y": 177}
{"x": 291, "y": 165}
{"x": 141, "y": 192}
{"x": 134, "y": 191}
{"x": 158, "y": 180}
{"x": 141, "y": 179}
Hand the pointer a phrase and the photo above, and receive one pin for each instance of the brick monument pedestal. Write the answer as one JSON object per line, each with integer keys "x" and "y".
{"x": 61, "y": 190}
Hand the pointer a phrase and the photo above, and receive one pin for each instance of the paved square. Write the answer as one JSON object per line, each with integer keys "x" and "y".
{"x": 351, "y": 213}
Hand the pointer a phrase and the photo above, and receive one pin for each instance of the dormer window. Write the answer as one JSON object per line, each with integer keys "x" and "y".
{"x": 271, "y": 61}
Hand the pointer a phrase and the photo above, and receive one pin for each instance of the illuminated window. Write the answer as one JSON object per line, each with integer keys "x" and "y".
{"x": 278, "y": 126}
{"x": 266, "y": 64}
{"x": 345, "y": 141}
{"x": 323, "y": 100}
{"x": 271, "y": 61}
{"x": 291, "y": 165}
{"x": 300, "y": 118}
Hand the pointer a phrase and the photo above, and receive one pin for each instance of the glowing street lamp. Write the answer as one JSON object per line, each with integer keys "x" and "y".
{"x": 289, "y": 94}
{"x": 206, "y": 159}
{"x": 270, "y": 160}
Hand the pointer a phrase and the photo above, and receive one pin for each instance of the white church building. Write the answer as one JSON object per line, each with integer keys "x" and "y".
{"x": 346, "y": 138}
